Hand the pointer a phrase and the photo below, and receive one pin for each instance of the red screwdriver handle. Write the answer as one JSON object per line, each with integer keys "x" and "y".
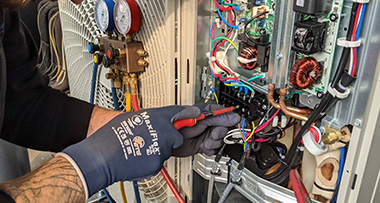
{"x": 192, "y": 121}
{"x": 184, "y": 123}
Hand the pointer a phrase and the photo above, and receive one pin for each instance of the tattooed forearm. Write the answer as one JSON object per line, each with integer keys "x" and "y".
{"x": 56, "y": 181}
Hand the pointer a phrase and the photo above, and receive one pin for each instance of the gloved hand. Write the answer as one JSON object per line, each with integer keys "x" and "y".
{"x": 207, "y": 135}
{"x": 131, "y": 146}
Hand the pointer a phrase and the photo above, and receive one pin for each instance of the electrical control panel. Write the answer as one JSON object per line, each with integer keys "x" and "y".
{"x": 285, "y": 66}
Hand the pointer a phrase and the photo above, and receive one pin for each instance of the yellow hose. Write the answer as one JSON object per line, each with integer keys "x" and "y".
{"x": 128, "y": 106}
{"x": 122, "y": 190}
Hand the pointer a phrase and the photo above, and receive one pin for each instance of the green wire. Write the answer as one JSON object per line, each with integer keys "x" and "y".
{"x": 227, "y": 4}
{"x": 292, "y": 94}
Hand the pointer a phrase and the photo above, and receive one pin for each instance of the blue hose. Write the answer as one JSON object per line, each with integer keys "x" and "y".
{"x": 137, "y": 193}
{"x": 93, "y": 83}
{"x": 107, "y": 195}
{"x": 115, "y": 99}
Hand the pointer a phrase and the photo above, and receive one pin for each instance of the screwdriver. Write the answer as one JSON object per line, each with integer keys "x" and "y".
{"x": 299, "y": 189}
{"x": 192, "y": 121}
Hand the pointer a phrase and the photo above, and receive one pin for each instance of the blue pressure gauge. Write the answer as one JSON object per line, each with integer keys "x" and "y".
{"x": 104, "y": 14}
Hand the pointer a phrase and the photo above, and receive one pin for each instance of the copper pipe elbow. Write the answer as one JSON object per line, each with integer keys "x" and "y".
{"x": 271, "y": 100}
{"x": 288, "y": 112}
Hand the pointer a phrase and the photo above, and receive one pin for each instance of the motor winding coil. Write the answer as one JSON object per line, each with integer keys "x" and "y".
{"x": 248, "y": 58}
{"x": 305, "y": 72}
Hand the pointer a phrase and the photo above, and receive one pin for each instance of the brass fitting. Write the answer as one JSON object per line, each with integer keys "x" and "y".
{"x": 287, "y": 111}
{"x": 117, "y": 83}
{"x": 130, "y": 37}
{"x": 110, "y": 75}
{"x": 331, "y": 136}
{"x": 121, "y": 52}
{"x": 142, "y": 62}
{"x": 126, "y": 79}
{"x": 115, "y": 76}
{"x": 133, "y": 83}
{"x": 141, "y": 52}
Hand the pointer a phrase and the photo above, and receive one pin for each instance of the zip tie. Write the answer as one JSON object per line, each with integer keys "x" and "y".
{"x": 349, "y": 44}
{"x": 337, "y": 94}
{"x": 244, "y": 60}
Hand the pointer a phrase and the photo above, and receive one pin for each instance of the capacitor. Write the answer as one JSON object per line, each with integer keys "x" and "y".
{"x": 261, "y": 22}
{"x": 259, "y": 2}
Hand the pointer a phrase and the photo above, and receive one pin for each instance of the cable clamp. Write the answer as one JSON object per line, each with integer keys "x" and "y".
{"x": 314, "y": 147}
{"x": 336, "y": 93}
{"x": 361, "y": 1}
{"x": 349, "y": 44}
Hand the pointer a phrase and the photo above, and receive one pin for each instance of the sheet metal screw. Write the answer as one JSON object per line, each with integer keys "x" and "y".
{"x": 358, "y": 122}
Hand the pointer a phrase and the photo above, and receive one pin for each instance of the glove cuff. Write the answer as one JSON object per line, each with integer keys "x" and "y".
{"x": 77, "y": 169}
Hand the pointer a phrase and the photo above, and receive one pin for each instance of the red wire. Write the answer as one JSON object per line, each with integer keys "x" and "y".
{"x": 354, "y": 39}
{"x": 221, "y": 8}
{"x": 171, "y": 185}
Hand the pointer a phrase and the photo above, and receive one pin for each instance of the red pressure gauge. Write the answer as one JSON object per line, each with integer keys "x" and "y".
{"x": 127, "y": 16}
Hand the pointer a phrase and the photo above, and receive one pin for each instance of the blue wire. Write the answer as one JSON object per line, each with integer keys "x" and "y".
{"x": 115, "y": 99}
{"x": 341, "y": 165}
{"x": 360, "y": 22}
{"x": 137, "y": 193}
{"x": 212, "y": 25}
{"x": 107, "y": 195}
{"x": 242, "y": 129}
{"x": 224, "y": 20}
{"x": 231, "y": 81}
{"x": 93, "y": 83}
{"x": 255, "y": 77}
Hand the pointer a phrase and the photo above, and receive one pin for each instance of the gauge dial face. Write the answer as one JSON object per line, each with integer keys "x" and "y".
{"x": 102, "y": 17}
{"x": 122, "y": 16}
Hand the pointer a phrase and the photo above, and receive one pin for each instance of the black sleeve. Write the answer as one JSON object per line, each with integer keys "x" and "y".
{"x": 5, "y": 198}
{"x": 36, "y": 116}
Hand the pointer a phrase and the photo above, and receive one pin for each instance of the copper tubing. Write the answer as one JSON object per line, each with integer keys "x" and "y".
{"x": 288, "y": 112}
{"x": 271, "y": 96}
{"x": 271, "y": 100}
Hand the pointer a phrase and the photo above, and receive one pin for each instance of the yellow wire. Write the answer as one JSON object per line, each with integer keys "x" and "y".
{"x": 253, "y": 131}
{"x": 230, "y": 41}
{"x": 122, "y": 190}
{"x": 216, "y": 98}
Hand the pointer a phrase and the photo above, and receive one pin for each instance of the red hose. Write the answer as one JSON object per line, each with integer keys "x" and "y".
{"x": 171, "y": 185}
{"x": 135, "y": 102}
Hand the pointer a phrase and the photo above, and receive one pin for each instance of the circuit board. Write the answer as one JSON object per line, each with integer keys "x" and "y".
{"x": 257, "y": 27}
{"x": 326, "y": 58}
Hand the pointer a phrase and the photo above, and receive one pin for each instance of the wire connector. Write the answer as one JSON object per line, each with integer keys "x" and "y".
{"x": 337, "y": 94}
{"x": 349, "y": 44}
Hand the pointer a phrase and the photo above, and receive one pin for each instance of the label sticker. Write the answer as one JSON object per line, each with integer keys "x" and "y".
{"x": 300, "y": 3}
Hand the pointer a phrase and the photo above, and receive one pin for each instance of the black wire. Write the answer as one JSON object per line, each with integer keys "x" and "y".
{"x": 346, "y": 51}
{"x": 246, "y": 26}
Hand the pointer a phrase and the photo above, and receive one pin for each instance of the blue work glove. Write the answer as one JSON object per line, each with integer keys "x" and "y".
{"x": 131, "y": 146}
{"x": 207, "y": 135}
